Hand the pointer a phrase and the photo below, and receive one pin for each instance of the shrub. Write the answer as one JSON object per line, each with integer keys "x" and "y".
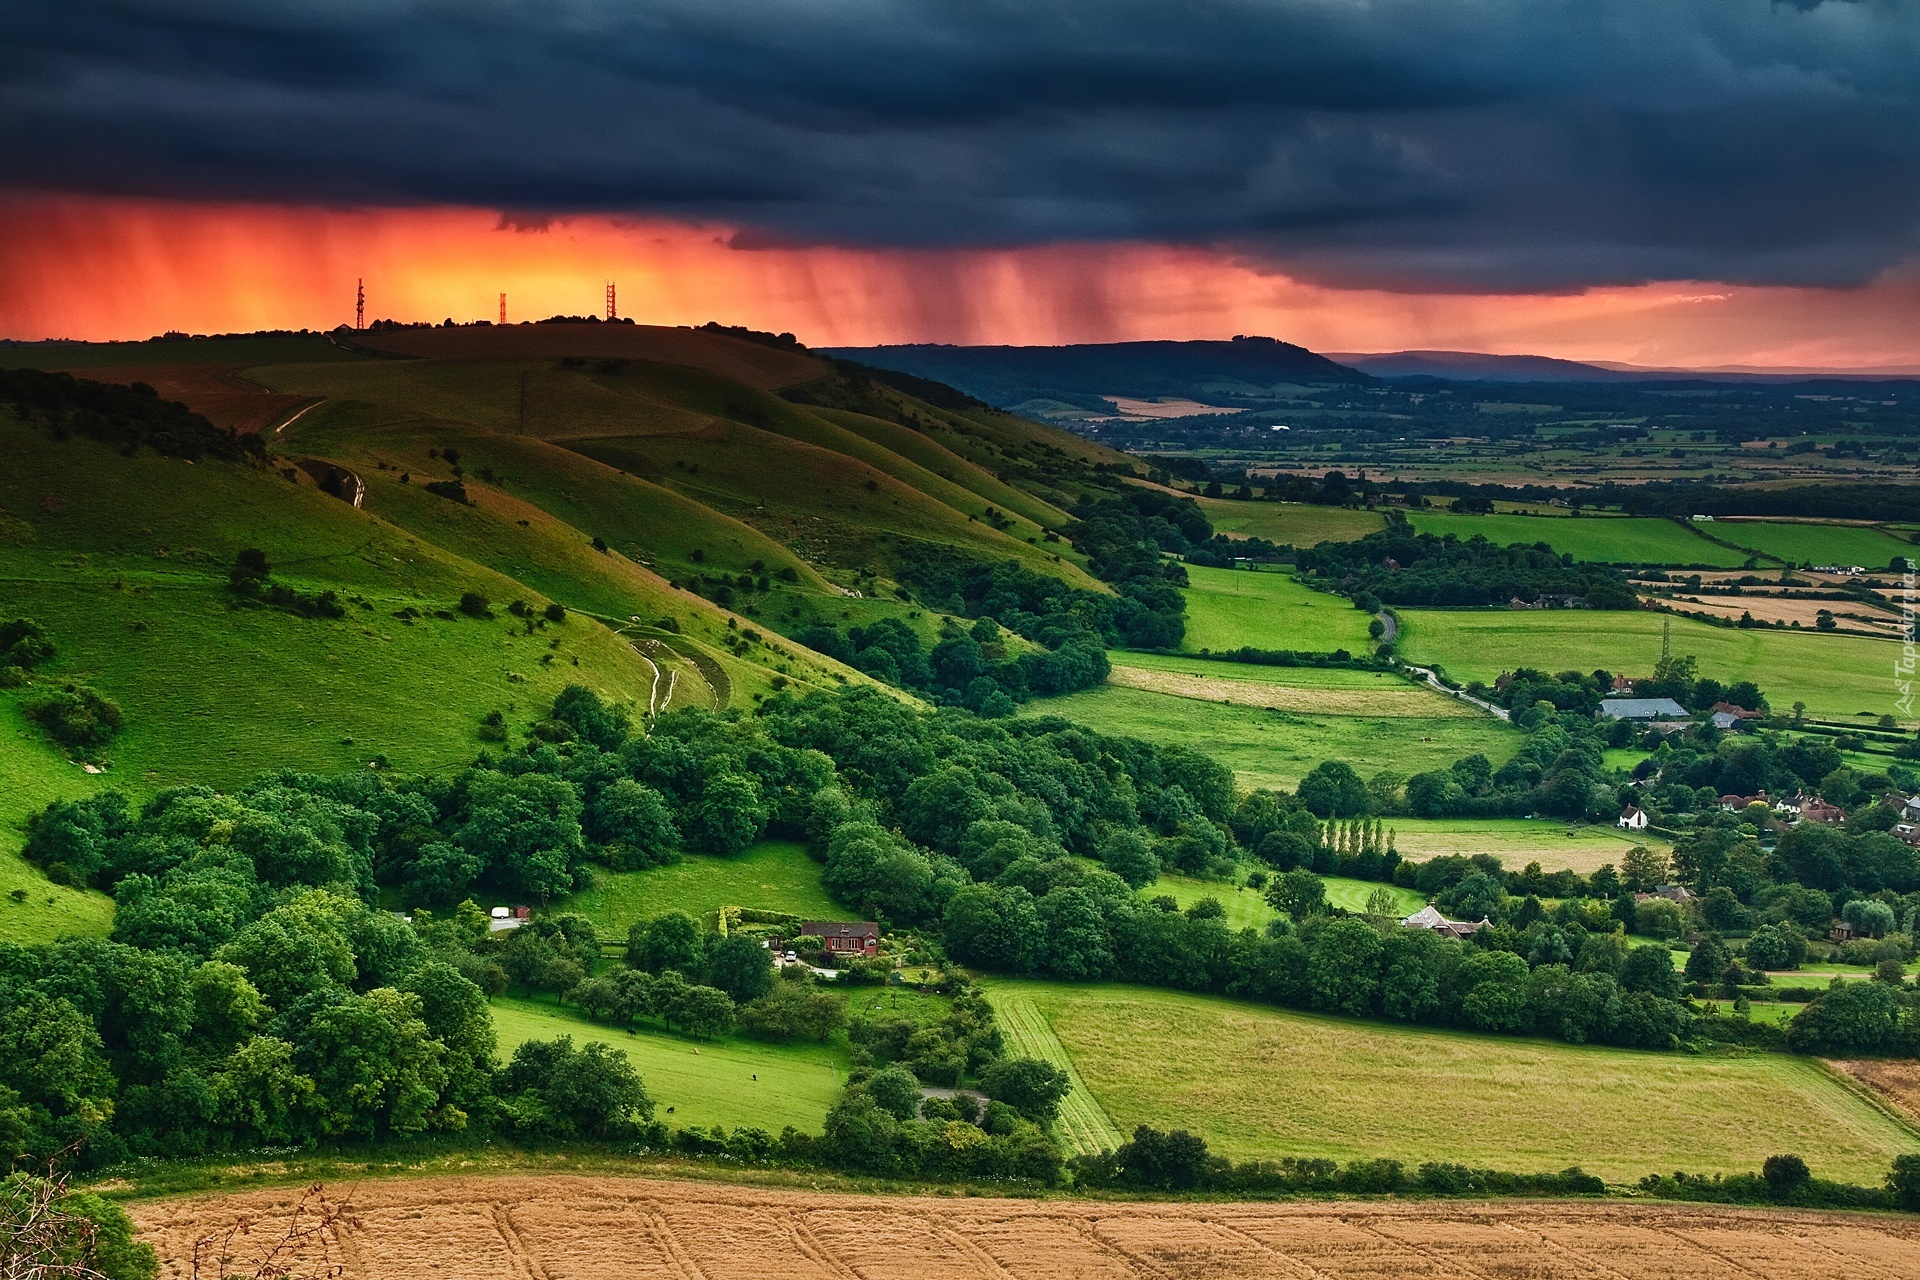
{"x": 475, "y": 605}
{"x": 76, "y": 717}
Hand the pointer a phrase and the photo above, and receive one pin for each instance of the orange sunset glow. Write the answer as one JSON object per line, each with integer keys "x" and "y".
{"x": 100, "y": 269}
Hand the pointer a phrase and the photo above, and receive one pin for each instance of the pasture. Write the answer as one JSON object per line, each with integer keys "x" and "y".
{"x": 574, "y": 1227}
{"x": 1838, "y": 677}
{"x": 1605, "y": 539}
{"x": 1555, "y": 845}
{"x": 1268, "y": 748}
{"x": 705, "y": 1082}
{"x": 1235, "y": 608}
{"x": 1811, "y": 544}
{"x": 1308, "y": 690}
{"x": 1289, "y": 523}
{"x": 1259, "y": 1082}
{"x": 774, "y": 875}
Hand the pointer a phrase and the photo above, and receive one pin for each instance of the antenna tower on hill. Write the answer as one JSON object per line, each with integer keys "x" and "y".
{"x": 503, "y": 308}
{"x": 360, "y": 304}
{"x": 613, "y": 312}
{"x": 1666, "y": 639}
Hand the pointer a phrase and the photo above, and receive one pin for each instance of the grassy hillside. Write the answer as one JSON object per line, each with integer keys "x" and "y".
{"x": 1816, "y": 543}
{"x": 1262, "y": 1083}
{"x": 1290, "y": 523}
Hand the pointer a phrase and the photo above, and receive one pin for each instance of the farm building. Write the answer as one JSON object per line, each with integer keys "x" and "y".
{"x": 1632, "y": 818}
{"x": 860, "y": 937}
{"x": 1734, "y": 804}
{"x": 1429, "y": 917}
{"x": 1641, "y": 708}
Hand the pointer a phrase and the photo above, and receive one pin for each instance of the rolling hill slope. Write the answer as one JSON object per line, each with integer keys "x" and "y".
{"x": 685, "y": 517}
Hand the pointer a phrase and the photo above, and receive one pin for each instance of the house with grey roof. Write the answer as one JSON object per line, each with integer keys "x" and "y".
{"x": 1641, "y": 709}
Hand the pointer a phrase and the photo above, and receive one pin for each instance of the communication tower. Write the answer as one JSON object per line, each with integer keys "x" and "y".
{"x": 613, "y": 312}
{"x": 503, "y": 308}
{"x": 360, "y": 304}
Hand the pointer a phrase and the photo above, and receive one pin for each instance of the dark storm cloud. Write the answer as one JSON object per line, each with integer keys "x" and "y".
{"x": 1535, "y": 144}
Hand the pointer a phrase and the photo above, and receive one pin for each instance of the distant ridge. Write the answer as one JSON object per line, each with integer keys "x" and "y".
{"x": 1478, "y": 366}
{"x": 1214, "y": 372}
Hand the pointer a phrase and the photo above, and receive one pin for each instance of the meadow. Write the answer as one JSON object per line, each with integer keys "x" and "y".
{"x": 774, "y": 875}
{"x": 32, "y": 775}
{"x": 1332, "y": 691}
{"x": 1258, "y": 1082}
{"x": 1838, "y": 677}
{"x": 1555, "y": 845}
{"x": 1269, "y": 748}
{"x": 705, "y": 1082}
{"x": 1811, "y": 544}
{"x": 1289, "y": 523}
{"x": 1606, "y": 539}
{"x": 1247, "y": 909}
{"x": 1236, "y": 608}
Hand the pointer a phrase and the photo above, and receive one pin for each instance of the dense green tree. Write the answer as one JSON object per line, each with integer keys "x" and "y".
{"x": 1650, "y": 969}
{"x": 525, "y": 830}
{"x": 731, "y": 814}
{"x": 671, "y": 940}
{"x": 1333, "y": 790}
{"x": 635, "y": 822}
{"x": 1493, "y": 991}
{"x": 792, "y": 1010}
{"x": 741, "y": 966}
{"x": 1029, "y": 1085}
{"x": 1076, "y": 944}
{"x": 1299, "y": 893}
{"x": 375, "y": 1067}
{"x": 1344, "y": 971}
{"x": 554, "y": 1090}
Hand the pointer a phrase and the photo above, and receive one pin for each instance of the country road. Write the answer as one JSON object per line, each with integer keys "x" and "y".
{"x": 1392, "y": 626}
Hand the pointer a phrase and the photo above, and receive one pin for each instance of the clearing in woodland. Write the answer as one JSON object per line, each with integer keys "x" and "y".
{"x": 774, "y": 875}
{"x": 600, "y": 1228}
{"x": 1555, "y": 845}
{"x": 1261, "y": 1083}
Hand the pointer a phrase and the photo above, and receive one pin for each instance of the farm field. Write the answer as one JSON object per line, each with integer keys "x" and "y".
{"x": 1851, "y": 614}
{"x": 774, "y": 875}
{"x": 1838, "y": 677}
{"x": 1606, "y": 539}
{"x": 1235, "y": 608}
{"x": 705, "y": 1082}
{"x": 1289, "y": 523}
{"x": 1309, "y": 690}
{"x": 1799, "y": 543}
{"x": 1267, "y": 748}
{"x": 1555, "y": 845}
{"x": 1258, "y": 1082}
{"x": 572, "y": 1227}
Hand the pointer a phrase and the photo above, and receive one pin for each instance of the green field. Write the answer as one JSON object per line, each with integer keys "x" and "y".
{"x": 1269, "y": 748}
{"x": 1258, "y": 1082}
{"x": 1235, "y": 608}
{"x": 1290, "y": 523}
{"x": 1607, "y": 539}
{"x": 706, "y": 1083}
{"x": 1836, "y": 676}
{"x": 1555, "y": 845}
{"x": 1247, "y": 909}
{"x": 1816, "y": 543}
{"x": 773, "y": 876}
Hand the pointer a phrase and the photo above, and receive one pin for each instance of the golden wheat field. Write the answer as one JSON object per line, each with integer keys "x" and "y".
{"x": 585, "y": 1228}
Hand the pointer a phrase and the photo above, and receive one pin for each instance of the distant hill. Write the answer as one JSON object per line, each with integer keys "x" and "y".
{"x": 1209, "y": 372}
{"x": 1477, "y": 366}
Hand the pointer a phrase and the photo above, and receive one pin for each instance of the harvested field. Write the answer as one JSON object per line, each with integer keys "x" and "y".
{"x": 1789, "y": 609}
{"x": 1396, "y": 699}
{"x": 584, "y": 1228}
{"x": 1895, "y": 1080}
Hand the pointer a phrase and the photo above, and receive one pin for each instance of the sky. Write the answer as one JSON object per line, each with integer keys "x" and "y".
{"x": 1667, "y": 182}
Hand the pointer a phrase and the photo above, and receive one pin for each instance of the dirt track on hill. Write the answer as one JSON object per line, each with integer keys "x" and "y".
{"x": 585, "y": 1228}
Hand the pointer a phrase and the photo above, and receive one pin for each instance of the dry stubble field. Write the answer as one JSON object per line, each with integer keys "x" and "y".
{"x": 572, "y": 1228}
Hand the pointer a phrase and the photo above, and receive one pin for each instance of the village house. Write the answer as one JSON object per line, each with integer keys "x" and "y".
{"x": 1910, "y": 811}
{"x": 1632, "y": 818}
{"x": 1820, "y": 811}
{"x": 1623, "y": 685}
{"x": 1734, "y": 804}
{"x": 844, "y": 938}
{"x": 1909, "y": 832}
{"x": 1428, "y": 917}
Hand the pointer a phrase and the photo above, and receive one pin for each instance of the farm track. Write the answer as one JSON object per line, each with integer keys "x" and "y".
{"x": 590, "y": 1228}
{"x": 1083, "y": 1122}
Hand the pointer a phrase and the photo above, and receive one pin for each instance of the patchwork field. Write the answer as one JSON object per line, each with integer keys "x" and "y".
{"x": 1270, "y": 748}
{"x": 1308, "y": 690}
{"x": 1232, "y": 608}
{"x": 774, "y": 876}
{"x": 1836, "y": 676}
{"x": 733, "y": 1082}
{"x": 1555, "y": 845}
{"x": 1607, "y": 539}
{"x": 1289, "y": 523}
{"x": 563, "y": 1227}
{"x": 1258, "y": 1082}
{"x": 1816, "y": 543}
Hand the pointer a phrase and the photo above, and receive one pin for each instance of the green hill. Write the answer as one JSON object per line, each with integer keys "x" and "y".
{"x": 690, "y": 499}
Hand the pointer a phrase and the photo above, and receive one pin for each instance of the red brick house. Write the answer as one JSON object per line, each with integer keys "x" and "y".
{"x": 855, "y": 938}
